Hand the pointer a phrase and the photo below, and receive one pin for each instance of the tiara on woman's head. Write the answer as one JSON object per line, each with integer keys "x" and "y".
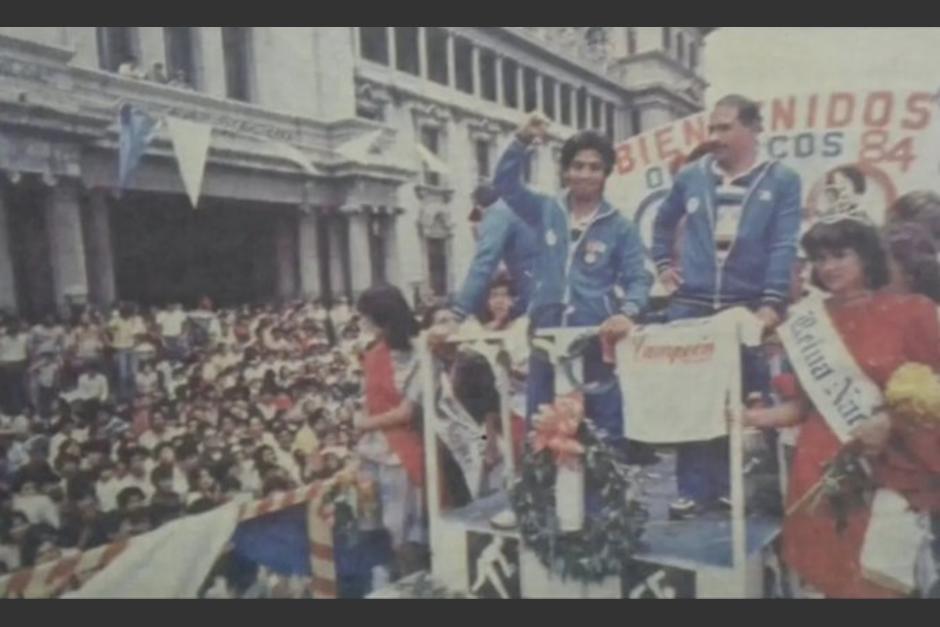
{"x": 837, "y": 214}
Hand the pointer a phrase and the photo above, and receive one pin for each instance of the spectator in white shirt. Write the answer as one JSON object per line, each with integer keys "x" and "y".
{"x": 125, "y": 330}
{"x": 172, "y": 325}
{"x": 147, "y": 380}
{"x": 14, "y": 347}
{"x": 91, "y": 392}
{"x": 107, "y": 486}
{"x": 38, "y": 507}
{"x": 47, "y": 337}
{"x": 138, "y": 473}
{"x": 157, "y": 433}
{"x": 131, "y": 69}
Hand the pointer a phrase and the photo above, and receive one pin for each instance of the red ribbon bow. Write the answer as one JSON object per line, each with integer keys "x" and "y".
{"x": 556, "y": 428}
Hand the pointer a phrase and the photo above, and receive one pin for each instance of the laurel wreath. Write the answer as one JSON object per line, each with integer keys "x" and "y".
{"x": 609, "y": 538}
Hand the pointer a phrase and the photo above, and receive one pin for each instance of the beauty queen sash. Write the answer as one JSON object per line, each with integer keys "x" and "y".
{"x": 842, "y": 393}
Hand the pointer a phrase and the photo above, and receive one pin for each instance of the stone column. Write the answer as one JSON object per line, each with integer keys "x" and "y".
{"x": 210, "y": 61}
{"x": 308, "y": 255}
{"x": 285, "y": 242}
{"x": 451, "y": 60}
{"x": 573, "y": 106}
{"x": 556, "y": 98}
{"x": 99, "y": 252}
{"x": 338, "y": 269}
{"x": 335, "y": 65}
{"x": 539, "y": 96}
{"x": 8, "y": 300}
{"x": 66, "y": 245}
{"x": 422, "y": 52}
{"x": 359, "y": 252}
{"x": 476, "y": 71}
{"x": 152, "y": 46}
{"x": 393, "y": 273}
{"x": 355, "y": 41}
{"x": 498, "y": 65}
{"x": 392, "y": 47}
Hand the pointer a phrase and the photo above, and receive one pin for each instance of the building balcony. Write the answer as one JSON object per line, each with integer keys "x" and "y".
{"x": 41, "y": 91}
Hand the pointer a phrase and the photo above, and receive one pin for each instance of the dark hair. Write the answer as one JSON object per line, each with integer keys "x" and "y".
{"x": 500, "y": 280}
{"x": 159, "y": 449}
{"x": 853, "y": 174}
{"x": 200, "y": 505}
{"x": 862, "y": 238}
{"x": 921, "y": 207}
{"x": 427, "y": 317}
{"x": 161, "y": 473}
{"x": 589, "y": 140}
{"x": 387, "y": 308}
{"x": 475, "y": 385}
{"x": 484, "y": 195}
{"x": 127, "y": 494}
{"x": 916, "y": 254}
{"x": 748, "y": 110}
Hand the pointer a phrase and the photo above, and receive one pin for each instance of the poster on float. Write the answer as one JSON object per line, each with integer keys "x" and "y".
{"x": 863, "y": 147}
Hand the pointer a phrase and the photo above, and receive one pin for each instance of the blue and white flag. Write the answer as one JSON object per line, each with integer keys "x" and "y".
{"x": 137, "y": 130}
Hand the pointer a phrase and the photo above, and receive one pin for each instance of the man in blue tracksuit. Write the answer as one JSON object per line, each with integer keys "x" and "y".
{"x": 501, "y": 236}
{"x": 742, "y": 218}
{"x": 587, "y": 248}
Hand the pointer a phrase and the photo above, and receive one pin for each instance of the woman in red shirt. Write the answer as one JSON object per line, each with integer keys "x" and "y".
{"x": 882, "y": 331}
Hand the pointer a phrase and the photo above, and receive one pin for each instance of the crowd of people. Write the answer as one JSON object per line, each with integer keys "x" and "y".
{"x": 114, "y": 423}
{"x": 131, "y": 68}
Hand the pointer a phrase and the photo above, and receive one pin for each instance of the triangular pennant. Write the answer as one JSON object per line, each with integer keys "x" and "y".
{"x": 358, "y": 149}
{"x": 294, "y": 154}
{"x": 137, "y": 129}
{"x": 191, "y": 145}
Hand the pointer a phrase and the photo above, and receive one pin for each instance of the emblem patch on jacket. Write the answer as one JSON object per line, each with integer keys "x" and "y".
{"x": 593, "y": 250}
{"x": 550, "y": 238}
{"x": 692, "y": 205}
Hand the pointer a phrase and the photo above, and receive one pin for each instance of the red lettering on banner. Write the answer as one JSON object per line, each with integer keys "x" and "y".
{"x": 664, "y": 146}
{"x": 832, "y": 120}
{"x": 625, "y": 163}
{"x": 783, "y": 114}
{"x": 694, "y": 131}
{"x": 886, "y": 99}
{"x": 692, "y": 354}
{"x": 811, "y": 112}
{"x": 919, "y": 106}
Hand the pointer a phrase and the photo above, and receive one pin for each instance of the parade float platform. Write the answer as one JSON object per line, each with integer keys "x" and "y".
{"x": 681, "y": 559}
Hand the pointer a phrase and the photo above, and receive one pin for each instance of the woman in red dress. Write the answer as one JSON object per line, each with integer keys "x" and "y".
{"x": 882, "y": 331}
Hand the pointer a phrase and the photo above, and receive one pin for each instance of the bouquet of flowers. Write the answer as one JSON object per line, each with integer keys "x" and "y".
{"x": 912, "y": 396}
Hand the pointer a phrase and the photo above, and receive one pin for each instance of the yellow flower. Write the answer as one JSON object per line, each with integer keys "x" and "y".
{"x": 913, "y": 393}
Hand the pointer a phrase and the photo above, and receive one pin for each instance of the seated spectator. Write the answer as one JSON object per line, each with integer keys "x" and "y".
{"x": 130, "y": 68}
{"x": 157, "y": 74}
{"x": 37, "y": 507}
{"x": 84, "y": 526}
{"x": 167, "y": 502}
{"x": 138, "y": 472}
{"x": 107, "y": 485}
{"x": 13, "y": 533}
{"x": 180, "y": 80}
